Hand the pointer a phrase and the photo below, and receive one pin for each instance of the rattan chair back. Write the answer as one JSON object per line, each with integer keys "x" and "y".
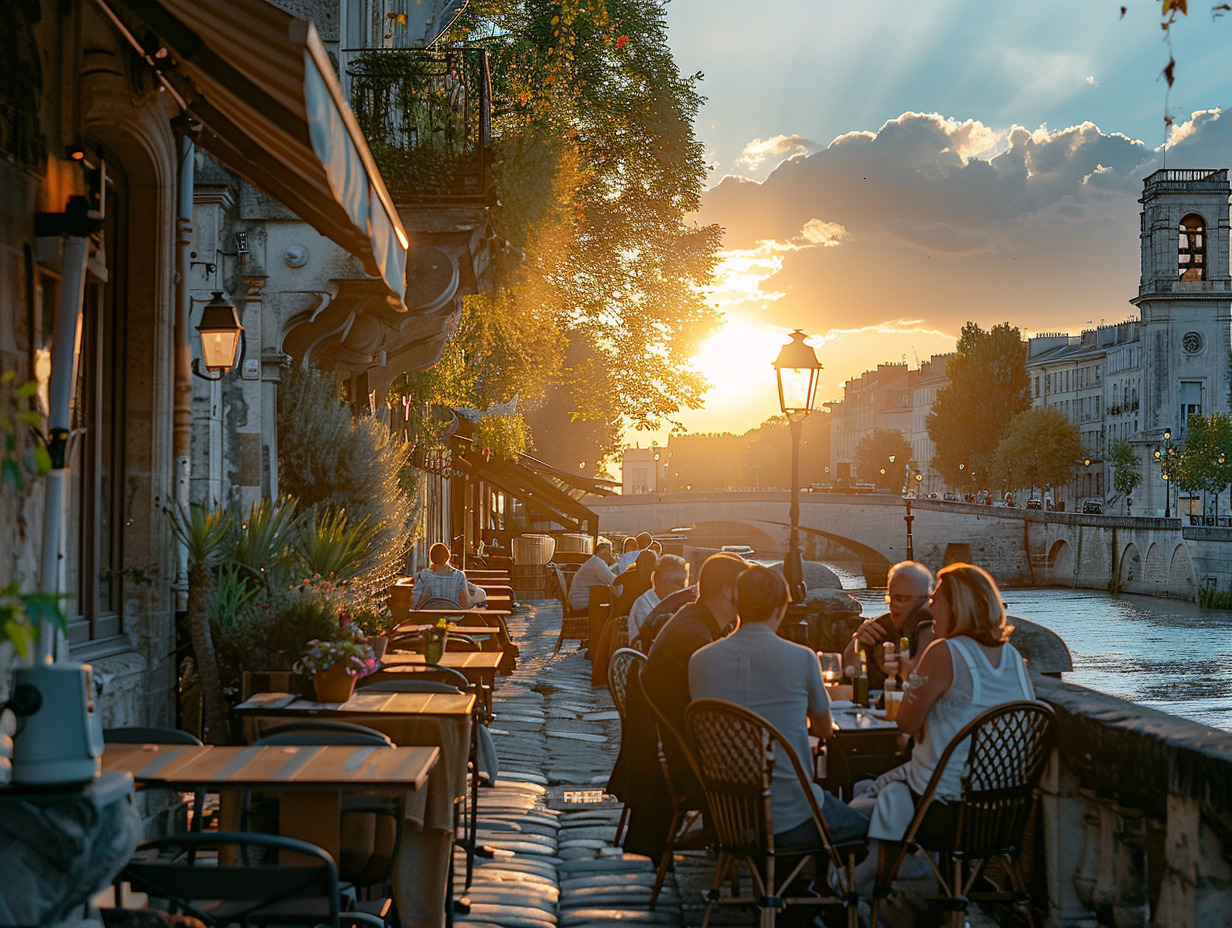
{"x": 618, "y": 669}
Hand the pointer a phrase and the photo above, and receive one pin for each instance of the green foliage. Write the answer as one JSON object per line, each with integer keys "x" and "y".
{"x": 204, "y": 533}
{"x": 268, "y": 540}
{"x": 1211, "y": 598}
{"x": 22, "y": 615}
{"x": 1040, "y": 447}
{"x": 1126, "y": 469}
{"x": 873, "y": 457}
{"x": 349, "y": 648}
{"x": 23, "y": 453}
{"x": 1207, "y": 440}
{"x": 988, "y": 387}
{"x": 331, "y": 547}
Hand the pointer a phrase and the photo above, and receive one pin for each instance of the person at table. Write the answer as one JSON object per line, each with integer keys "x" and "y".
{"x": 908, "y": 585}
{"x": 633, "y": 547}
{"x": 440, "y": 580}
{"x": 632, "y": 583}
{"x": 649, "y": 630}
{"x": 637, "y": 777}
{"x": 671, "y": 574}
{"x": 969, "y": 669}
{"x": 780, "y": 681}
{"x": 596, "y": 571}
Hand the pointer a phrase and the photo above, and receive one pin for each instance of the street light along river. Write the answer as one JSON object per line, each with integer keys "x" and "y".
{"x": 1162, "y": 653}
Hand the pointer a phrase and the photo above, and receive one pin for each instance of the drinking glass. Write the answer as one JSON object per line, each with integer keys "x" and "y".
{"x": 831, "y": 666}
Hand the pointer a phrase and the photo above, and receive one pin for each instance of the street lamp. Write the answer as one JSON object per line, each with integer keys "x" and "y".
{"x": 909, "y": 518}
{"x": 796, "y": 369}
{"x": 1166, "y": 456}
{"x": 220, "y": 332}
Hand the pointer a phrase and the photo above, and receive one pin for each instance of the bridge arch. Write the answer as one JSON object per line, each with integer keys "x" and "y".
{"x": 1155, "y": 571}
{"x": 1130, "y": 565}
{"x": 1061, "y": 562}
{"x": 715, "y": 534}
{"x": 1181, "y": 577}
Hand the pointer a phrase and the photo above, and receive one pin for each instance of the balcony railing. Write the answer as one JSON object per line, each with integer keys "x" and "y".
{"x": 426, "y": 116}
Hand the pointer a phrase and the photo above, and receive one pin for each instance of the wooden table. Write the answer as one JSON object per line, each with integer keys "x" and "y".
{"x": 866, "y": 744}
{"x": 479, "y": 667}
{"x": 436, "y": 705}
{"x": 309, "y": 779}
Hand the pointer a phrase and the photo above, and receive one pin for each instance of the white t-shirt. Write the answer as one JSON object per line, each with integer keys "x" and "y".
{"x": 640, "y": 609}
{"x": 593, "y": 573}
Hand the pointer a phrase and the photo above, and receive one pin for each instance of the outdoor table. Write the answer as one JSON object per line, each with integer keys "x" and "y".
{"x": 310, "y": 779}
{"x": 442, "y": 720}
{"x": 865, "y": 744}
{"x": 479, "y": 667}
{"x": 470, "y": 617}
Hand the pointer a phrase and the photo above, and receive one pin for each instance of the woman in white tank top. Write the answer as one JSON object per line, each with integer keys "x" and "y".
{"x": 969, "y": 669}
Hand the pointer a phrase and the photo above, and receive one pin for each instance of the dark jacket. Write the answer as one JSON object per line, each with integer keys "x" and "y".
{"x": 917, "y": 621}
{"x": 639, "y": 780}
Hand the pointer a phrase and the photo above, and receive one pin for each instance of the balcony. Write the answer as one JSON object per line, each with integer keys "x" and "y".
{"x": 426, "y": 116}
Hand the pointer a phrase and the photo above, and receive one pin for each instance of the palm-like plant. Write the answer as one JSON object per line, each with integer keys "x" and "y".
{"x": 332, "y": 548}
{"x": 205, "y": 535}
{"x": 267, "y": 540}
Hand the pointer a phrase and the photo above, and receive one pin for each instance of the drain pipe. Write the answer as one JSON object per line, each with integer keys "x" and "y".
{"x": 75, "y": 226}
{"x": 182, "y": 414}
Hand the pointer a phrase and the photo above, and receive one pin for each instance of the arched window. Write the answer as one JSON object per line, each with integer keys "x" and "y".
{"x": 1191, "y": 256}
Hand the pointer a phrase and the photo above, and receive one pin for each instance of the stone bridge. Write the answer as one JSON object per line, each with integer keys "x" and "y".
{"x": 1019, "y": 547}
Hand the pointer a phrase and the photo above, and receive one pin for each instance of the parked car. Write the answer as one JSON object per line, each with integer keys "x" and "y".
{"x": 934, "y": 495}
{"x": 1034, "y": 504}
{"x": 1092, "y": 507}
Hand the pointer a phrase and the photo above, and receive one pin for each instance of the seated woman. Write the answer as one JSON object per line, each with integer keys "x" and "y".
{"x": 440, "y": 581}
{"x": 633, "y": 582}
{"x": 968, "y": 669}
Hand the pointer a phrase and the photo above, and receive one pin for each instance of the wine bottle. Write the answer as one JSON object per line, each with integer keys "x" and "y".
{"x": 860, "y": 689}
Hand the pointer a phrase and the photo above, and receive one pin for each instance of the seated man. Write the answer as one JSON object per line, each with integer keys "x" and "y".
{"x": 659, "y": 616}
{"x": 633, "y": 547}
{"x": 637, "y": 777}
{"x": 781, "y": 682}
{"x": 440, "y": 580}
{"x": 908, "y": 586}
{"x": 671, "y": 573}
{"x": 597, "y": 571}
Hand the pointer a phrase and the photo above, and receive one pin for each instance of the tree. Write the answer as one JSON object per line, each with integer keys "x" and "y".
{"x": 1040, "y": 448}
{"x": 988, "y": 387}
{"x": 595, "y": 169}
{"x": 1206, "y": 462}
{"x": 873, "y": 464}
{"x": 1126, "y": 470}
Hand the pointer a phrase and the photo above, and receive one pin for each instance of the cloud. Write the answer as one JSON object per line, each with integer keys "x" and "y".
{"x": 1092, "y": 81}
{"x": 945, "y": 220}
{"x": 761, "y": 156}
{"x": 740, "y": 272}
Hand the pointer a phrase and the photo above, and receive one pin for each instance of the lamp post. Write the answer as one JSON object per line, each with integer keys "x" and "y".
{"x": 1164, "y": 455}
{"x": 909, "y": 518}
{"x": 796, "y": 370}
{"x": 220, "y": 332}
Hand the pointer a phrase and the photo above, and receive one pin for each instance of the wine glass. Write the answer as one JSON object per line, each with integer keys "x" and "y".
{"x": 831, "y": 666}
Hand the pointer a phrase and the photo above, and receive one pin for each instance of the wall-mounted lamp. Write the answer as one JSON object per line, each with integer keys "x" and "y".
{"x": 221, "y": 334}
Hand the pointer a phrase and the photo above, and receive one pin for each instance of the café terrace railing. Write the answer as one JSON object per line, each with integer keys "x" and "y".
{"x": 426, "y": 114}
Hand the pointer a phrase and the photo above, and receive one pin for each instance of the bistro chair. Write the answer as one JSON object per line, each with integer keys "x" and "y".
{"x": 684, "y": 812}
{"x": 305, "y": 891}
{"x": 1006, "y": 750}
{"x": 735, "y": 752}
{"x": 618, "y": 671}
{"x": 159, "y": 734}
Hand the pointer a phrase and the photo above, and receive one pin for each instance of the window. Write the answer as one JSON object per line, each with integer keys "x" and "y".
{"x": 1191, "y": 256}
{"x": 1191, "y": 400}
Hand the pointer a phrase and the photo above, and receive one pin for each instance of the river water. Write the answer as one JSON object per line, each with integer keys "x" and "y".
{"x": 1162, "y": 653}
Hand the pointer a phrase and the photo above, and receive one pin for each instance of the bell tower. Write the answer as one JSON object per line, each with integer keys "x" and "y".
{"x": 1185, "y": 298}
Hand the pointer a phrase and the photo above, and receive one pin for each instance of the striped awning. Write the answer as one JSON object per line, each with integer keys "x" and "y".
{"x": 262, "y": 85}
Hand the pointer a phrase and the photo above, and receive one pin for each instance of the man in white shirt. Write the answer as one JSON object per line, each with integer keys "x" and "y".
{"x": 671, "y": 574}
{"x": 641, "y": 543}
{"x": 596, "y": 571}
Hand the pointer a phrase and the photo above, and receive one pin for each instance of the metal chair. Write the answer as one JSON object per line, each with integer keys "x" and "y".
{"x": 1006, "y": 752}
{"x": 159, "y": 734}
{"x": 684, "y": 813}
{"x": 438, "y": 602}
{"x": 735, "y": 751}
{"x": 303, "y": 892}
{"x": 618, "y": 670}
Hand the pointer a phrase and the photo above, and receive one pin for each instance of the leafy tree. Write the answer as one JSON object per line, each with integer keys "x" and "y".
{"x": 1206, "y": 462}
{"x": 595, "y": 168}
{"x": 1040, "y": 447}
{"x": 873, "y": 464}
{"x": 988, "y": 387}
{"x": 1126, "y": 470}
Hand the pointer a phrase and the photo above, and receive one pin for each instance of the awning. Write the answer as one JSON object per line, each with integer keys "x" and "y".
{"x": 521, "y": 482}
{"x": 261, "y": 83}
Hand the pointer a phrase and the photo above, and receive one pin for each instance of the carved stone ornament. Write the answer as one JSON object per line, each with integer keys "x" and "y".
{"x": 1191, "y": 342}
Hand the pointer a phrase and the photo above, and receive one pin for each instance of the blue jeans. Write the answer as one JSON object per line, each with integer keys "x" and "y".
{"x": 847, "y": 826}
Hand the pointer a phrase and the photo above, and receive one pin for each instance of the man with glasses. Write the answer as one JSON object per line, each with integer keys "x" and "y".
{"x": 908, "y": 586}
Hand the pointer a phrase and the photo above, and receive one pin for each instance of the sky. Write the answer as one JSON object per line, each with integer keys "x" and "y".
{"x": 887, "y": 170}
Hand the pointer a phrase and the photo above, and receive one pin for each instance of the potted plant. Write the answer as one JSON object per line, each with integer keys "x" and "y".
{"x": 374, "y": 625}
{"x": 334, "y": 666}
{"x": 435, "y": 638}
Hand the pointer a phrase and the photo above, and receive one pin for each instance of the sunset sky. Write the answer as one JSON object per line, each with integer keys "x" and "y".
{"x": 887, "y": 170}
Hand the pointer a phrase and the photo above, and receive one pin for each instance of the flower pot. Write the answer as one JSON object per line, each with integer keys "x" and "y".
{"x": 378, "y": 644}
{"x": 434, "y": 648}
{"x": 335, "y": 684}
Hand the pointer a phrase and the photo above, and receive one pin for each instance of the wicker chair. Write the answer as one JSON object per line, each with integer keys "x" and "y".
{"x": 735, "y": 752}
{"x": 1009, "y": 746}
{"x": 684, "y": 815}
{"x": 618, "y": 670}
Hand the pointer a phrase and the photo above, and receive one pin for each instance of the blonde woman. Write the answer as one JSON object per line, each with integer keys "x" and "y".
{"x": 968, "y": 669}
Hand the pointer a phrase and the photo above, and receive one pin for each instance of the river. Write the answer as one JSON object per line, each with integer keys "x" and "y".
{"x": 1162, "y": 653}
